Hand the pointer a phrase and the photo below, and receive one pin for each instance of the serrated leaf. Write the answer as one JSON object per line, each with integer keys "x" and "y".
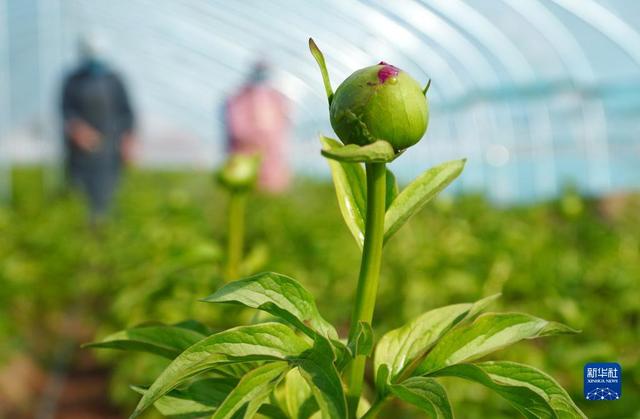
{"x": 164, "y": 340}
{"x": 426, "y": 394}
{"x": 319, "y": 57}
{"x": 349, "y": 182}
{"x": 420, "y": 191}
{"x": 532, "y": 392}
{"x": 488, "y": 333}
{"x": 377, "y": 152}
{"x": 361, "y": 343}
{"x": 266, "y": 341}
{"x": 318, "y": 369}
{"x": 400, "y": 347}
{"x": 391, "y": 190}
{"x": 198, "y": 400}
{"x": 252, "y": 391}
{"x": 280, "y": 296}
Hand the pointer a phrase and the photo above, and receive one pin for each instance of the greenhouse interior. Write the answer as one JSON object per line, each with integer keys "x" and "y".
{"x": 198, "y": 198}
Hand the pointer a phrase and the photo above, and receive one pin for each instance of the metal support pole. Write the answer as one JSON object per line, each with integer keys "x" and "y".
{"x": 5, "y": 105}
{"x": 49, "y": 65}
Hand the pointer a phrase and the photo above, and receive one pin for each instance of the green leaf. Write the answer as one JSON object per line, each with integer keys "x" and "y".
{"x": 361, "y": 343}
{"x": 266, "y": 341}
{"x": 425, "y": 393}
{"x": 382, "y": 379}
{"x": 194, "y": 325}
{"x": 252, "y": 391}
{"x": 401, "y": 347}
{"x": 479, "y": 306}
{"x": 272, "y": 411}
{"x": 198, "y": 400}
{"x": 351, "y": 191}
{"x": 318, "y": 369}
{"x": 164, "y": 340}
{"x": 298, "y": 398}
{"x": 424, "y": 188}
{"x": 280, "y": 296}
{"x": 296, "y": 392}
{"x": 488, "y": 333}
{"x": 319, "y": 57}
{"x": 342, "y": 355}
{"x": 201, "y": 399}
{"x": 532, "y": 392}
{"x": 512, "y": 373}
{"x": 377, "y": 152}
{"x": 237, "y": 369}
{"x": 391, "y": 189}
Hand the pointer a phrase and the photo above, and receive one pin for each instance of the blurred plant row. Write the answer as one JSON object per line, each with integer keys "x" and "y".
{"x": 574, "y": 260}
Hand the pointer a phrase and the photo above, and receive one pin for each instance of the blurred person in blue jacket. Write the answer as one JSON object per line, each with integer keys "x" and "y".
{"x": 98, "y": 126}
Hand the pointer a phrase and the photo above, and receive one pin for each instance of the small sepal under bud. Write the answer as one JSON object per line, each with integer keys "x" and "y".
{"x": 319, "y": 57}
{"x": 377, "y": 152}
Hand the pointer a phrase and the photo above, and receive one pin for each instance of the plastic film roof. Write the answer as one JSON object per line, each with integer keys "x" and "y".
{"x": 535, "y": 93}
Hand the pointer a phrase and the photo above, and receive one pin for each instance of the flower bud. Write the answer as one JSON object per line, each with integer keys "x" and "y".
{"x": 380, "y": 102}
{"x": 239, "y": 172}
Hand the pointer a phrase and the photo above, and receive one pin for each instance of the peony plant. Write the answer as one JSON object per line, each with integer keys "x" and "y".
{"x": 238, "y": 176}
{"x": 296, "y": 365}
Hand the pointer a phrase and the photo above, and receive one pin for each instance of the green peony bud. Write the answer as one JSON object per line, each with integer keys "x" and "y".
{"x": 239, "y": 172}
{"x": 380, "y": 102}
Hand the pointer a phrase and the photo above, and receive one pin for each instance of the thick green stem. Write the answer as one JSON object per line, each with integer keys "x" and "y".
{"x": 369, "y": 273}
{"x": 235, "y": 239}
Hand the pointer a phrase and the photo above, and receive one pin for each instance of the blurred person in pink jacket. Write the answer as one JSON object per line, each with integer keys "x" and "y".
{"x": 257, "y": 122}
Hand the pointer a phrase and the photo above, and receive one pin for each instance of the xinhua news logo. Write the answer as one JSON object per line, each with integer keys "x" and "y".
{"x": 602, "y": 381}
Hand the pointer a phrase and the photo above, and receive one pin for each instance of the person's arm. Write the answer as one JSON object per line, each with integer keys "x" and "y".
{"x": 125, "y": 111}
{"x": 79, "y": 132}
{"x": 67, "y": 103}
{"x": 127, "y": 120}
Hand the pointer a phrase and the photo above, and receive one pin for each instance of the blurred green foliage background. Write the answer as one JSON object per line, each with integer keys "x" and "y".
{"x": 573, "y": 260}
